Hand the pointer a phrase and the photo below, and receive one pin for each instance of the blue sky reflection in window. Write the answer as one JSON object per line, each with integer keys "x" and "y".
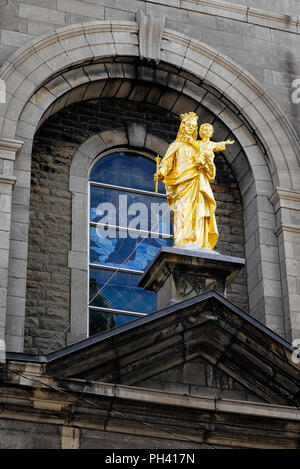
{"x": 123, "y": 210}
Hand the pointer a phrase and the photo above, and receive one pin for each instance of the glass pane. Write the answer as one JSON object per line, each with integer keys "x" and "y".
{"x": 121, "y": 292}
{"x": 128, "y": 209}
{"x": 100, "y": 321}
{"x": 127, "y": 170}
{"x": 114, "y": 249}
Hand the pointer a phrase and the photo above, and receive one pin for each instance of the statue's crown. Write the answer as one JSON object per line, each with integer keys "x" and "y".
{"x": 188, "y": 115}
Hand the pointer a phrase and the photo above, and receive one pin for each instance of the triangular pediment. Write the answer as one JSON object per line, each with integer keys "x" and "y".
{"x": 205, "y": 331}
{"x": 200, "y": 378}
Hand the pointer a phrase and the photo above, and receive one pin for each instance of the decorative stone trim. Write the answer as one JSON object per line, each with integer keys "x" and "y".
{"x": 273, "y": 20}
{"x": 145, "y": 395}
{"x": 9, "y": 148}
{"x": 122, "y": 73}
{"x": 150, "y": 35}
{"x": 287, "y": 228}
{"x": 32, "y": 65}
{"x": 78, "y": 185}
{"x": 81, "y": 85}
{"x": 285, "y": 199}
{"x": 7, "y": 180}
{"x": 136, "y": 134}
{"x": 284, "y": 194}
{"x": 240, "y": 13}
{"x": 55, "y": 54}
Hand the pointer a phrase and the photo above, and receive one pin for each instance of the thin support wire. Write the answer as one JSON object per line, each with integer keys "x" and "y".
{"x": 50, "y": 348}
{"x": 122, "y": 414}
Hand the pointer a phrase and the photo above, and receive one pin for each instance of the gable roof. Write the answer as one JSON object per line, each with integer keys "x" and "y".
{"x": 206, "y": 326}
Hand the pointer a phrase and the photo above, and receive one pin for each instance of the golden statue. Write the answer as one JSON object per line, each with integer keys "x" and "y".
{"x": 187, "y": 169}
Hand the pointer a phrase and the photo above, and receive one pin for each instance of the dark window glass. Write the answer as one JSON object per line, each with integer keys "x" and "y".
{"x": 121, "y": 293}
{"x": 153, "y": 215}
{"x": 126, "y": 170}
{"x": 112, "y": 249}
{"x": 101, "y": 321}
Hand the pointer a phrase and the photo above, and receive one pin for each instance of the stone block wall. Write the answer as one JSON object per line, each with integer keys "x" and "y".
{"x": 16, "y": 434}
{"x": 261, "y": 36}
{"x": 30, "y": 435}
{"x": 48, "y": 275}
{"x": 199, "y": 378}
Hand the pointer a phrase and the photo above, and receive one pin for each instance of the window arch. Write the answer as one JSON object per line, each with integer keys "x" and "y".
{"x": 128, "y": 223}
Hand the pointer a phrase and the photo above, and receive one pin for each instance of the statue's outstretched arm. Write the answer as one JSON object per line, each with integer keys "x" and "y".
{"x": 221, "y": 146}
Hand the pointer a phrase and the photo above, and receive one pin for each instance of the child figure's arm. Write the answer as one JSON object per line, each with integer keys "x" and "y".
{"x": 221, "y": 146}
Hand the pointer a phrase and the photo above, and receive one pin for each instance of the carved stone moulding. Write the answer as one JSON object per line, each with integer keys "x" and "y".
{"x": 177, "y": 274}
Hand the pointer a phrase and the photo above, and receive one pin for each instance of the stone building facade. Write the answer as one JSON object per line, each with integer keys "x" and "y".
{"x": 48, "y": 277}
{"x": 85, "y": 78}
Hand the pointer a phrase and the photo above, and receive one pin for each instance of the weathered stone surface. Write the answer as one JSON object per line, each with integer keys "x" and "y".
{"x": 239, "y": 30}
{"x": 177, "y": 273}
{"x": 42, "y": 14}
{"x": 199, "y": 378}
{"x": 150, "y": 35}
{"x": 36, "y": 435}
{"x": 81, "y": 8}
{"x": 50, "y": 206}
{"x": 203, "y": 341}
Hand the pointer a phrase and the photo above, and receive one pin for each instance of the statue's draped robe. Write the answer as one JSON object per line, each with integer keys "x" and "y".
{"x": 190, "y": 197}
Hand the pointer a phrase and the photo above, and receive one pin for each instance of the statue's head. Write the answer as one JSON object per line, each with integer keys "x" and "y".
{"x": 206, "y": 130}
{"x": 188, "y": 126}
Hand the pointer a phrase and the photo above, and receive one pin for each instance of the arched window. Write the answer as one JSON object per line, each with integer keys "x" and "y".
{"x": 128, "y": 224}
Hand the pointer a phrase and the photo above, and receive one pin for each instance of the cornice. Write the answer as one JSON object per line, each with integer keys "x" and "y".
{"x": 8, "y": 180}
{"x": 287, "y": 228}
{"x": 236, "y": 12}
{"x": 158, "y": 397}
{"x": 284, "y": 194}
{"x": 11, "y": 144}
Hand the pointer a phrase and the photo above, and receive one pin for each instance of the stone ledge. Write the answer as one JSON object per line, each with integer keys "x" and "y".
{"x": 240, "y": 13}
{"x": 287, "y": 228}
{"x": 8, "y": 180}
{"x": 285, "y": 200}
{"x": 177, "y": 273}
{"x": 281, "y": 193}
{"x": 141, "y": 394}
{"x": 9, "y": 148}
{"x": 100, "y": 33}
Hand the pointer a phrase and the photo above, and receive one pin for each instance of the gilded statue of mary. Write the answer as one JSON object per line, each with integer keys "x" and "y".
{"x": 187, "y": 170}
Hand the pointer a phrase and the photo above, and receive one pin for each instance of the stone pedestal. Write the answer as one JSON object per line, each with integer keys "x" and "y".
{"x": 177, "y": 274}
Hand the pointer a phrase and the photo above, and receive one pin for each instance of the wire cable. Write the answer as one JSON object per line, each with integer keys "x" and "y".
{"x": 122, "y": 414}
{"x": 50, "y": 348}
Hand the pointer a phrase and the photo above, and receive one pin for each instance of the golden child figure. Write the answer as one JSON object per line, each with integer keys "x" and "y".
{"x": 187, "y": 170}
